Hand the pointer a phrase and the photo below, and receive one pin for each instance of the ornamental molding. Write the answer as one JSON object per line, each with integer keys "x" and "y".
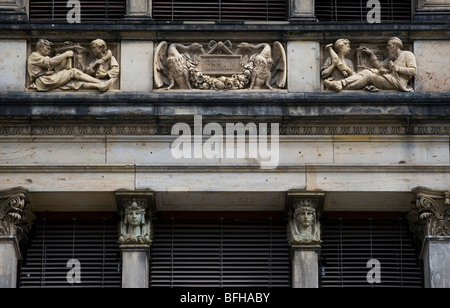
{"x": 16, "y": 218}
{"x": 220, "y": 66}
{"x": 144, "y": 129}
{"x": 430, "y": 214}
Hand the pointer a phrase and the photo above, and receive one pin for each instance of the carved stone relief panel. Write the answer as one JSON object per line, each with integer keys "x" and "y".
{"x": 370, "y": 67}
{"x": 220, "y": 66}
{"x": 72, "y": 66}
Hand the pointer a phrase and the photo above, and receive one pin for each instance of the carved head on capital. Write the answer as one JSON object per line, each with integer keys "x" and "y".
{"x": 304, "y": 225}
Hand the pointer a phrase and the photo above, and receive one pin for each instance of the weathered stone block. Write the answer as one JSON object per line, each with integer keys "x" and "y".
{"x": 436, "y": 257}
{"x": 9, "y": 256}
{"x": 303, "y": 66}
{"x": 433, "y": 59}
{"x": 13, "y": 65}
{"x": 137, "y": 66}
{"x": 305, "y": 268}
{"x": 135, "y": 272}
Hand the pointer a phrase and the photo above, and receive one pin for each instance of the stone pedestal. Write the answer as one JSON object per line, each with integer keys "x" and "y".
{"x": 432, "y": 10}
{"x": 436, "y": 258}
{"x": 302, "y": 11}
{"x": 9, "y": 256}
{"x": 135, "y": 267}
{"x": 139, "y": 9}
{"x": 305, "y": 267}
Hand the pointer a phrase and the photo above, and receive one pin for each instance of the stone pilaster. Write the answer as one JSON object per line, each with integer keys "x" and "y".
{"x": 302, "y": 11}
{"x": 136, "y": 235}
{"x": 430, "y": 222}
{"x": 432, "y": 10}
{"x": 304, "y": 236}
{"x": 12, "y": 11}
{"x": 139, "y": 9}
{"x": 16, "y": 220}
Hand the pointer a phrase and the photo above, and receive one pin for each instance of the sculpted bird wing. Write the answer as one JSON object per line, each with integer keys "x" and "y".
{"x": 279, "y": 67}
{"x": 160, "y": 68}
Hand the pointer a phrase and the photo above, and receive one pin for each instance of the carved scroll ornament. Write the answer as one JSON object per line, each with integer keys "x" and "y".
{"x": 431, "y": 215}
{"x": 16, "y": 219}
{"x": 304, "y": 226}
{"x": 221, "y": 67}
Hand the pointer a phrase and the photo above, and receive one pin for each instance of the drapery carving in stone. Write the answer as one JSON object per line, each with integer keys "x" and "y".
{"x": 431, "y": 214}
{"x": 374, "y": 71}
{"x": 304, "y": 225}
{"x": 221, "y": 67}
{"x": 16, "y": 218}
{"x": 68, "y": 68}
{"x": 135, "y": 226}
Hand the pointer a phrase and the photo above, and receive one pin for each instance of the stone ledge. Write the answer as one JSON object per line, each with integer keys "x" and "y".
{"x": 266, "y": 103}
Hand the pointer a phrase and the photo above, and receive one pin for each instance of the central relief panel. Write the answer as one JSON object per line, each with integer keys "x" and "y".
{"x": 220, "y": 66}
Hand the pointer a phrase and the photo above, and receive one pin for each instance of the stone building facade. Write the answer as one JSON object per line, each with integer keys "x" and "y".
{"x": 331, "y": 141}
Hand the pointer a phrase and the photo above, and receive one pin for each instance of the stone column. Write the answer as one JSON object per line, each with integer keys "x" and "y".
{"x": 432, "y": 10}
{"x": 430, "y": 224}
{"x": 12, "y": 11}
{"x": 139, "y": 9}
{"x": 302, "y": 11}
{"x": 136, "y": 234}
{"x": 304, "y": 237}
{"x": 16, "y": 220}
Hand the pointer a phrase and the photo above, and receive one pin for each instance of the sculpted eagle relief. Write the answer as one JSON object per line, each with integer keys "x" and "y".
{"x": 220, "y": 67}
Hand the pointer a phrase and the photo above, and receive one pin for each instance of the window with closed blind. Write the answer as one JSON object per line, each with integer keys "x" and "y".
{"x": 356, "y": 10}
{"x": 52, "y": 245}
{"x": 349, "y": 245}
{"x": 220, "y": 255}
{"x": 91, "y": 10}
{"x": 220, "y": 10}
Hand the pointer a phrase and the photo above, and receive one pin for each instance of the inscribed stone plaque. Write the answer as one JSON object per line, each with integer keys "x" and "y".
{"x": 220, "y": 64}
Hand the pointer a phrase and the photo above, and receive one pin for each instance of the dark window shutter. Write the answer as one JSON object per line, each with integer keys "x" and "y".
{"x": 348, "y": 246}
{"x": 99, "y": 10}
{"x": 220, "y": 10}
{"x": 220, "y": 255}
{"x": 356, "y": 10}
{"x": 52, "y": 246}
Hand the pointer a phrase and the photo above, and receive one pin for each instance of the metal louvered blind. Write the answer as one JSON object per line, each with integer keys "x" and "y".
{"x": 348, "y": 246}
{"x": 52, "y": 246}
{"x": 220, "y": 255}
{"x": 97, "y": 10}
{"x": 356, "y": 10}
{"x": 220, "y": 10}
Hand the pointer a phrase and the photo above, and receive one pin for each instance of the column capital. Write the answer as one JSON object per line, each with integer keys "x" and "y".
{"x": 304, "y": 211}
{"x": 429, "y": 216}
{"x": 16, "y": 218}
{"x": 136, "y": 209}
